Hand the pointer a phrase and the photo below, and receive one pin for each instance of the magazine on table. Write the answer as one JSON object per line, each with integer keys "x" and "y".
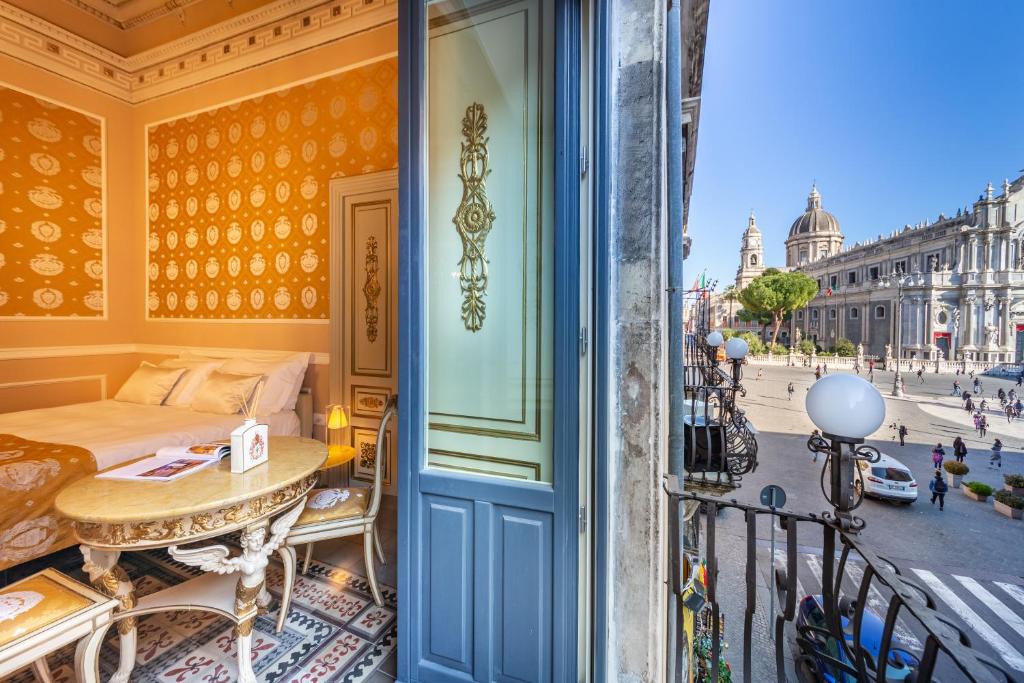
{"x": 171, "y": 462}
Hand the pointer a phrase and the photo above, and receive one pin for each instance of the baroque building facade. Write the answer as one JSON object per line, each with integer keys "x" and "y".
{"x": 963, "y": 292}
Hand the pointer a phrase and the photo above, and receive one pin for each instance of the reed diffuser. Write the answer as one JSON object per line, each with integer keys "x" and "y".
{"x": 250, "y": 443}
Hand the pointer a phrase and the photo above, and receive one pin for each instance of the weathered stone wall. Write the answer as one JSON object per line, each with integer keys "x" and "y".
{"x": 637, "y": 446}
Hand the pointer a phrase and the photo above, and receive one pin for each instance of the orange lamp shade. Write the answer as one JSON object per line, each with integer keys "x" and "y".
{"x": 336, "y": 417}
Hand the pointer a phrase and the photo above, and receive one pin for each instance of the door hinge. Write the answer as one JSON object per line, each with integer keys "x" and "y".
{"x": 584, "y": 163}
{"x": 583, "y": 519}
{"x": 584, "y": 341}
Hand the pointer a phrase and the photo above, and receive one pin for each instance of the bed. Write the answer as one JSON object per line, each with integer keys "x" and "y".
{"x": 42, "y": 451}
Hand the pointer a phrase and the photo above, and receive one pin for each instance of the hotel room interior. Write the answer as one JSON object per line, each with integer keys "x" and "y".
{"x": 198, "y": 197}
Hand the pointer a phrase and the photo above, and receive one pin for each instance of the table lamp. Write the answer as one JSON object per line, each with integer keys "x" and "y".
{"x": 337, "y": 420}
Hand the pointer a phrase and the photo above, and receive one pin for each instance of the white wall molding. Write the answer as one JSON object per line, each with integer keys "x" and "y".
{"x": 102, "y": 379}
{"x": 280, "y": 29}
{"x": 36, "y": 352}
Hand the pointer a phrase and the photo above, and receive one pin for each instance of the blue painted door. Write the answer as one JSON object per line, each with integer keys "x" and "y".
{"x": 489, "y": 354}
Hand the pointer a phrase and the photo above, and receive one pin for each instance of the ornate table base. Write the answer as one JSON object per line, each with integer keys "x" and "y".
{"x": 210, "y": 592}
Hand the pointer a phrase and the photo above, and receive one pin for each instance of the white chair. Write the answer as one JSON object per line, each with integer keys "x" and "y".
{"x": 336, "y": 513}
{"x": 45, "y": 612}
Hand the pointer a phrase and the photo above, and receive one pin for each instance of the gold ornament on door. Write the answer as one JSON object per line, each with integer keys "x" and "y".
{"x": 474, "y": 217}
{"x": 371, "y": 289}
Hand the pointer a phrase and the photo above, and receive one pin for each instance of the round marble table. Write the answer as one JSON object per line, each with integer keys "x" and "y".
{"x": 111, "y": 516}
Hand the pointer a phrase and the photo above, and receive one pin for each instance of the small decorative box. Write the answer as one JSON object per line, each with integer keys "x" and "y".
{"x": 249, "y": 446}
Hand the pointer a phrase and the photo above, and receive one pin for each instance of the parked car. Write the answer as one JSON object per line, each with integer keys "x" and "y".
{"x": 888, "y": 478}
{"x": 810, "y": 622}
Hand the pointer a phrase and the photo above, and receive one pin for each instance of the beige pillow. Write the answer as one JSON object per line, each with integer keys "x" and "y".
{"x": 196, "y": 373}
{"x": 149, "y": 385}
{"x": 224, "y": 393}
{"x": 283, "y": 380}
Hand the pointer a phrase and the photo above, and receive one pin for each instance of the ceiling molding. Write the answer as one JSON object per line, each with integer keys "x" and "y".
{"x": 277, "y": 30}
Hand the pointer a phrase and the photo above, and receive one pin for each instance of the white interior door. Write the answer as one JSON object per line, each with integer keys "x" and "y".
{"x": 364, "y": 301}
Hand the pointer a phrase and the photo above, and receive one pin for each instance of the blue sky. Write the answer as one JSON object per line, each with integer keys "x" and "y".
{"x": 899, "y": 110}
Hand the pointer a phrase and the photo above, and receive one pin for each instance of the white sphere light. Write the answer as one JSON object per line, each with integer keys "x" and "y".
{"x": 845, "y": 405}
{"x": 736, "y": 348}
{"x": 715, "y": 339}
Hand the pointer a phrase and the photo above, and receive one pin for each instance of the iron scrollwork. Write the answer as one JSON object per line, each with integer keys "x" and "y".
{"x": 474, "y": 217}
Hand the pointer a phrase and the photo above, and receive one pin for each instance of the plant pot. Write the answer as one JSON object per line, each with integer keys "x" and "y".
{"x": 1012, "y": 513}
{"x": 954, "y": 480}
{"x": 974, "y": 496}
{"x": 1015, "y": 490}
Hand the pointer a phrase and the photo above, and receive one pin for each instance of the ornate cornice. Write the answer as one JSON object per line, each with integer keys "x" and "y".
{"x": 277, "y": 30}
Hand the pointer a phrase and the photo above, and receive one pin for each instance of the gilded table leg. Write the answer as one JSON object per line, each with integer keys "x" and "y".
{"x": 253, "y": 574}
{"x": 110, "y": 579}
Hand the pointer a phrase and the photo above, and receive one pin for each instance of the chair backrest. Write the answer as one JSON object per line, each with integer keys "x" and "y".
{"x": 390, "y": 411}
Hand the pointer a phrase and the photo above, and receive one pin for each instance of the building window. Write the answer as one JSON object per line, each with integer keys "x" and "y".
{"x": 943, "y": 318}
{"x": 831, "y": 314}
{"x": 854, "y": 313}
{"x": 814, "y": 314}
{"x": 803, "y": 256}
{"x": 900, "y": 266}
{"x": 833, "y": 281}
{"x": 753, "y": 259}
{"x": 873, "y": 273}
{"x": 879, "y": 312}
{"x": 851, "y": 277}
{"x": 799, "y": 315}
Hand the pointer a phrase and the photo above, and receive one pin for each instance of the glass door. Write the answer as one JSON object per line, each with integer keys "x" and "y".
{"x": 489, "y": 249}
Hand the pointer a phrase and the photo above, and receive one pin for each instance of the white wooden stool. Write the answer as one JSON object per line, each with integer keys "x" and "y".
{"x": 43, "y": 613}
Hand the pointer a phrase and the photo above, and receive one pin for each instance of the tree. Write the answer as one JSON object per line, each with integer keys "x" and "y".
{"x": 845, "y": 347}
{"x": 776, "y": 294}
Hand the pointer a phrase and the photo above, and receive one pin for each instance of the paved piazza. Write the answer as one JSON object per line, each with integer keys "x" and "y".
{"x": 969, "y": 556}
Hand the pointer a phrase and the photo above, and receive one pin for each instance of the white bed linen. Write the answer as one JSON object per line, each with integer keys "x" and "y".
{"x": 116, "y": 431}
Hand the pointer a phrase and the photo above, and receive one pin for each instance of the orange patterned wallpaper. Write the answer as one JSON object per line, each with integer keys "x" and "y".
{"x": 51, "y": 209}
{"x": 239, "y": 221}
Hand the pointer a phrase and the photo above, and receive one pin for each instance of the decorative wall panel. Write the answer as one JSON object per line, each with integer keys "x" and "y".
{"x": 51, "y": 209}
{"x": 238, "y": 196}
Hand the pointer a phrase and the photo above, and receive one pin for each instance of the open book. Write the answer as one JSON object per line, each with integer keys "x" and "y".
{"x": 171, "y": 462}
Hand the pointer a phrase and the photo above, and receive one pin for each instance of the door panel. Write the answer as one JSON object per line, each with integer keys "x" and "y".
{"x": 489, "y": 355}
{"x": 364, "y": 234}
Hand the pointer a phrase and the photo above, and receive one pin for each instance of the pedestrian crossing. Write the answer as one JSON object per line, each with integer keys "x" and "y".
{"x": 990, "y": 612}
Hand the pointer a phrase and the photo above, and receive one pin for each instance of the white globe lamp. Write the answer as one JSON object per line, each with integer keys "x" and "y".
{"x": 715, "y": 339}
{"x": 845, "y": 407}
{"x": 736, "y": 348}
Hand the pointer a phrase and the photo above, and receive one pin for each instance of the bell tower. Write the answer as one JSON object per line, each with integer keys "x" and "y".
{"x": 751, "y": 254}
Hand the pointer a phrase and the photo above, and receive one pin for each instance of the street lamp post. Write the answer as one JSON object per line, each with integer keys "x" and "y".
{"x": 898, "y": 280}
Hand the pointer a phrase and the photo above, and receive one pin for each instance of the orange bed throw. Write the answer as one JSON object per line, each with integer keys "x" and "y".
{"x": 32, "y": 473}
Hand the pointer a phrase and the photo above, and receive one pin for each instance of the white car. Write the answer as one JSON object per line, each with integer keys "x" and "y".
{"x": 888, "y": 478}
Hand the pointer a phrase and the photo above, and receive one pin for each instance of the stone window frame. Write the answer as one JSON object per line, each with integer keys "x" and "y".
{"x": 814, "y": 314}
{"x": 851, "y": 277}
{"x": 900, "y": 265}
{"x": 880, "y": 309}
{"x": 854, "y": 313}
{"x": 874, "y": 272}
{"x": 832, "y": 315}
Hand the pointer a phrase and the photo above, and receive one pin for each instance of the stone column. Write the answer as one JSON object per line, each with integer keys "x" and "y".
{"x": 1006, "y": 332}
{"x": 988, "y": 252}
{"x": 929, "y": 324}
{"x": 972, "y": 253}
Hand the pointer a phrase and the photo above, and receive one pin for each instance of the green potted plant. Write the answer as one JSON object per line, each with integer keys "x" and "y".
{"x": 977, "y": 491}
{"x": 1010, "y": 505}
{"x": 1014, "y": 483}
{"x": 955, "y": 472}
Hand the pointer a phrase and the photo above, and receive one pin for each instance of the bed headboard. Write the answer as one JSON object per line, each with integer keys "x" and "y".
{"x": 304, "y": 409}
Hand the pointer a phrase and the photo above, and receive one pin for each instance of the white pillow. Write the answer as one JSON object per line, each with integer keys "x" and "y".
{"x": 149, "y": 385}
{"x": 224, "y": 393}
{"x": 282, "y": 380}
{"x": 196, "y": 373}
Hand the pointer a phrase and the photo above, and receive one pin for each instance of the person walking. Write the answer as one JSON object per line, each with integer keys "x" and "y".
{"x": 824, "y": 368}
{"x": 983, "y": 426}
{"x": 938, "y": 453}
{"x": 790, "y": 390}
{"x": 939, "y": 488}
{"x": 815, "y": 433}
{"x": 996, "y": 459}
{"x": 1009, "y": 412}
{"x": 977, "y": 386}
{"x": 817, "y": 373}
{"x": 1020, "y": 379}
{"x": 957, "y": 391}
{"x": 920, "y": 375}
{"x": 959, "y": 449}
{"x": 903, "y": 432}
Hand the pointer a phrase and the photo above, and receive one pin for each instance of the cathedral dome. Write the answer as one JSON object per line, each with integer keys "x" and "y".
{"x": 815, "y": 219}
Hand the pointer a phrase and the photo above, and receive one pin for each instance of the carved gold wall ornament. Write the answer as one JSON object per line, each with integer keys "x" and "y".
{"x": 371, "y": 288}
{"x": 474, "y": 217}
{"x": 367, "y": 454}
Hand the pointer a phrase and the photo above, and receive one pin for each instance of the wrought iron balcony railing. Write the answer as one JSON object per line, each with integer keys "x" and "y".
{"x": 816, "y": 637}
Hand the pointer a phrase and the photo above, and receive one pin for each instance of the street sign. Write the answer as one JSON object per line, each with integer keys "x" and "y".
{"x": 773, "y": 496}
